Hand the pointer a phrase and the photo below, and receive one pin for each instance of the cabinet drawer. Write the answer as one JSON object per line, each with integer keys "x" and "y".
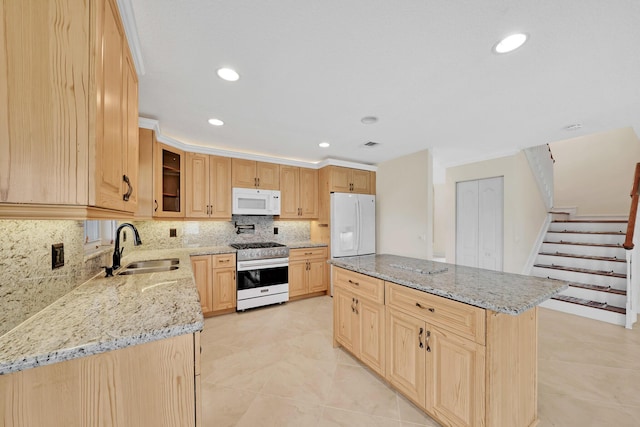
{"x": 462, "y": 319}
{"x": 359, "y": 284}
{"x": 306, "y": 253}
{"x": 224, "y": 260}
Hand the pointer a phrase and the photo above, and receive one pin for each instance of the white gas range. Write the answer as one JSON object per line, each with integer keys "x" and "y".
{"x": 262, "y": 274}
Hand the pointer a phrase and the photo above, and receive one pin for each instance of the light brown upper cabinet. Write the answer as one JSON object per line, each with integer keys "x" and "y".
{"x": 347, "y": 180}
{"x": 252, "y": 174}
{"x": 208, "y": 186}
{"x": 169, "y": 182}
{"x": 299, "y": 192}
{"x": 69, "y": 141}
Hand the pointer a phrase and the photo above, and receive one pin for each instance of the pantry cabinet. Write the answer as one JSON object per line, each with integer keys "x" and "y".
{"x": 68, "y": 148}
{"x": 215, "y": 277}
{"x": 299, "y": 192}
{"x": 359, "y": 323}
{"x": 252, "y": 174}
{"x": 208, "y": 186}
{"x": 308, "y": 271}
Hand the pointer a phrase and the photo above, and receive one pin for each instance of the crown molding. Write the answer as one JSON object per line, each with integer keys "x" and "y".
{"x": 131, "y": 31}
{"x": 154, "y": 125}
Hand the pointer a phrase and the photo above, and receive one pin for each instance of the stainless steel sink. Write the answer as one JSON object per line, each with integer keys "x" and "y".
{"x": 150, "y": 266}
{"x": 141, "y": 270}
{"x": 153, "y": 263}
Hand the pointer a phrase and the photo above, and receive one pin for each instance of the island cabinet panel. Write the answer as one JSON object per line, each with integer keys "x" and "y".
{"x": 406, "y": 356}
{"x": 462, "y": 319}
{"x": 463, "y": 365}
{"x": 359, "y": 318}
{"x": 455, "y": 378}
{"x": 152, "y": 384}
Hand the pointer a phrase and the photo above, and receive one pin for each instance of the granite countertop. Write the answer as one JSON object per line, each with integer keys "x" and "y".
{"x": 110, "y": 313}
{"x": 106, "y": 314}
{"x": 493, "y": 290}
{"x": 307, "y": 244}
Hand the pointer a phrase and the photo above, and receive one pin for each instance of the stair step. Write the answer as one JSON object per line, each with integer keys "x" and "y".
{"x": 582, "y": 270}
{"x": 613, "y": 233}
{"x": 578, "y": 221}
{"x": 603, "y": 245}
{"x": 595, "y": 258}
{"x": 592, "y": 304}
{"x": 599, "y": 288}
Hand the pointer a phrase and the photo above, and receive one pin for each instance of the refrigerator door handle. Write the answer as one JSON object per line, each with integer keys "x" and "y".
{"x": 358, "y": 226}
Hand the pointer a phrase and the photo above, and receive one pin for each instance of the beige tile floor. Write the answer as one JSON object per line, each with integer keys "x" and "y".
{"x": 276, "y": 366}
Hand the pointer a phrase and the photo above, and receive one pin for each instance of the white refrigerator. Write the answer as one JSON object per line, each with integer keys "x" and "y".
{"x": 353, "y": 224}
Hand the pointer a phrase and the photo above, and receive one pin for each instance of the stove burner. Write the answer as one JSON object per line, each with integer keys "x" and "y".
{"x": 256, "y": 245}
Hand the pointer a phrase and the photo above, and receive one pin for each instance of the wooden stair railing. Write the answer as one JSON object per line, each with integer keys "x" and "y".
{"x": 628, "y": 242}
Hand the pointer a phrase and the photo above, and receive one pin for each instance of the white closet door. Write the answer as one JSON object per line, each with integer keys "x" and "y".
{"x": 490, "y": 224}
{"x": 479, "y": 223}
{"x": 467, "y": 223}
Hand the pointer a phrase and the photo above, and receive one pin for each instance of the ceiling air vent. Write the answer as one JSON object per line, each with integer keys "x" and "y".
{"x": 371, "y": 144}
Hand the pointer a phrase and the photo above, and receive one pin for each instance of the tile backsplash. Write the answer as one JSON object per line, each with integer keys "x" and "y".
{"x": 155, "y": 234}
{"x": 28, "y": 284}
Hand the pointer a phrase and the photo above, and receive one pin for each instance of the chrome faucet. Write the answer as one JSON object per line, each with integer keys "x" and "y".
{"x": 117, "y": 253}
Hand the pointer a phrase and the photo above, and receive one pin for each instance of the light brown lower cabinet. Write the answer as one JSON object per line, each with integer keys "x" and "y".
{"x": 215, "y": 277}
{"x": 152, "y": 384}
{"x": 308, "y": 271}
{"x": 358, "y": 323}
{"x": 463, "y": 365}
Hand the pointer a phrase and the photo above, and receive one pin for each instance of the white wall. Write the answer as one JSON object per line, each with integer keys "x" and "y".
{"x": 404, "y": 206}
{"x": 524, "y": 210}
{"x": 594, "y": 173}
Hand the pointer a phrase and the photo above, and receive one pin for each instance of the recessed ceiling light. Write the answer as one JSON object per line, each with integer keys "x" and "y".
{"x": 216, "y": 122}
{"x": 324, "y": 144}
{"x": 510, "y": 43}
{"x": 369, "y": 120}
{"x": 228, "y": 74}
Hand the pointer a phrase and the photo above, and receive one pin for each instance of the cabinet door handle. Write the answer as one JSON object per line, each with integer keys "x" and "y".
{"x": 356, "y": 305}
{"x": 126, "y": 195}
{"x": 255, "y": 182}
{"x": 428, "y": 337}
{"x": 354, "y": 283}
{"x": 433, "y": 310}
{"x": 420, "y": 337}
{"x": 156, "y": 208}
{"x": 353, "y": 301}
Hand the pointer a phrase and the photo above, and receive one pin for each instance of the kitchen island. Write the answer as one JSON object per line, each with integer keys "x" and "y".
{"x": 460, "y": 342}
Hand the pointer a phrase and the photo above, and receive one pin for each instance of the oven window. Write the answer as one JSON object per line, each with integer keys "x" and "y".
{"x": 262, "y": 277}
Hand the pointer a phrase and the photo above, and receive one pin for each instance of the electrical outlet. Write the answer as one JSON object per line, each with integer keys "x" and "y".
{"x": 57, "y": 255}
{"x": 275, "y": 230}
{"x": 173, "y": 232}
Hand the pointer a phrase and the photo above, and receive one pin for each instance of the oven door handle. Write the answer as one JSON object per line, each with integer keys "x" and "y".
{"x": 262, "y": 264}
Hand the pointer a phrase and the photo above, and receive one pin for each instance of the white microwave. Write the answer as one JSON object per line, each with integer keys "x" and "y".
{"x": 249, "y": 201}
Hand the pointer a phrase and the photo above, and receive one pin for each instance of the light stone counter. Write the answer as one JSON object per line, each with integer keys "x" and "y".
{"x": 493, "y": 290}
{"x": 307, "y": 244}
{"x": 106, "y": 314}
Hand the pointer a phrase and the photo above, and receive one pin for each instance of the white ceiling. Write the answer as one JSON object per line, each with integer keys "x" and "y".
{"x": 311, "y": 69}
